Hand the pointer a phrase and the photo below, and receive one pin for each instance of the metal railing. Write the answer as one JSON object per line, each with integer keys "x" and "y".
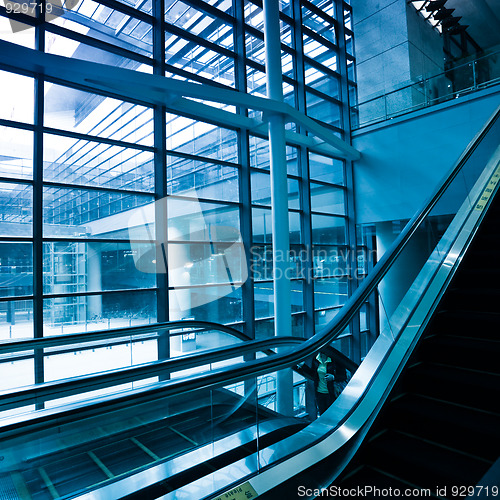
{"x": 455, "y": 82}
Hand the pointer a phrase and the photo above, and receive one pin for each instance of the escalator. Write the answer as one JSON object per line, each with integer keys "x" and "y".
{"x": 420, "y": 411}
{"x": 113, "y": 453}
{"x": 441, "y": 425}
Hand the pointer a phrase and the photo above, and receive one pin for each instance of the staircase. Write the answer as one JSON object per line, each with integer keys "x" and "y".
{"x": 440, "y": 429}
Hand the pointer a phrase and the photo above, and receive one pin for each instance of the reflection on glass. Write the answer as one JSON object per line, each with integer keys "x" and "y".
{"x": 16, "y": 209}
{"x": 189, "y": 136}
{"x": 89, "y": 358}
{"x": 81, "y": 313}
{"x": 199, "y": 22}
{"x": 327, "y": 199}
{"x": 200, "y": 60}
{"x": 16, "y": 160}
{"x": 85, "y": 213}
{"x": 77, "y": 111}
{"x": 328, "y": 229}
{"x": 87, "y": 163}
{"x": 71, "y": 267}
{"x": 261, "y": 190}
{"x": 16, "y": 319}
{"x": 16, "y": 269}
{"x": 63, "y": 46}
{"x": 212, "y": 181}
{"x": 105, "y": 24}
{"x": 322, "y": 168}
{"x": 219, "y": 304}
{"x": 16, "y": 374}
{"x": 329, "y": 292}
{"x": 322, "y": 110}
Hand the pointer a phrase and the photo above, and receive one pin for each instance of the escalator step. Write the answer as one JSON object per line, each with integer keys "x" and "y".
{"x": 424, "y": 463}
{"x": 465, "y": 429}
{"x": 471, "y": 388}
{"x": 123, "y": 456}
{"x": 369, "y": 480}
{"x": 479, "y": 325}
{"x": 464, "y": 352}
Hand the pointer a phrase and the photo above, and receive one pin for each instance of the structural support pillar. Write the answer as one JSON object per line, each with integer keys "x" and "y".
{"x": 279, "y": 199}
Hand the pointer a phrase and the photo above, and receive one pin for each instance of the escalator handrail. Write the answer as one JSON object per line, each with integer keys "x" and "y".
{"x": 253, "y": 368}
{"x": 9, "y": 346}
{"x": 40, "y": 392}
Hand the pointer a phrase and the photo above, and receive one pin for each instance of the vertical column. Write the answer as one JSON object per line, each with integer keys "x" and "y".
{"x": 305, "y": 198}
{"x": 245, "y": 191}
{"x": 279, "y": 198}
{"x": 38, "y": 208}
{"x": 355, "y": 353}
{"x": 160, "y": 166}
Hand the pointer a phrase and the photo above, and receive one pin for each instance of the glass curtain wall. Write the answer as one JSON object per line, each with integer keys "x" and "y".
{"x": 76, "y": 165}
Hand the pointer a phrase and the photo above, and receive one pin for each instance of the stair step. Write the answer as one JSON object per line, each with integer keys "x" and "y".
{"x": 369, "y": 479}
{"x": 479, "y": 325}
{"x": 471, "y": 388}
{"x": 465, "y": 429}
{"x": 463, "y": 352}
{"x": 424, "y": 463}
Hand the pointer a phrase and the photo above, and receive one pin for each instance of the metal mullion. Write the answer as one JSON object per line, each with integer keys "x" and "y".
{"x": 62, "y": 185}
{"x": 323, "y": 41}
{"x": 206, "y": 285}
{"x": 93, "y": 156}
{"x": 194, "y": 117}
{"x": 20, "y": 17}
{"x": 94, "y": 138}
{"x": 313, "y": 212}
{"x": 203, "y": 159}
{"x": 20, "y": 239}
{"x": 201, "y": 242}
{"x": 193, "y": 76}
{"x": 210, "y": 10}
{"x": 12, "y": 180}
{"x": 160, "y": 172}
{"x": 316, "y": 10}
{"x": 127, "y": 10}
{"x": 97, "y": 292}
{"x": 205, "y": 200}
{"x": 104, "y": 31}
{"x": 88, "y": 88}
{"x": 12, "y": 298}
{"x": 197, "y": 40}
{"x": 17, "y": 125}
{"x": 251, "y": 30}
{"x": 321, "y": 67}
{"x": 323, "y": 96}
{"x": 328, "y": 184}
{"x": 99, "y": 44}
{"x": 245, "y": 187}
{"x": 355, "y": 353}
{"x": 39, "y": 375}
{"x": 305, "y": 195}
{"x": 94, "y": 240}
{"x": 116, "y": 120}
